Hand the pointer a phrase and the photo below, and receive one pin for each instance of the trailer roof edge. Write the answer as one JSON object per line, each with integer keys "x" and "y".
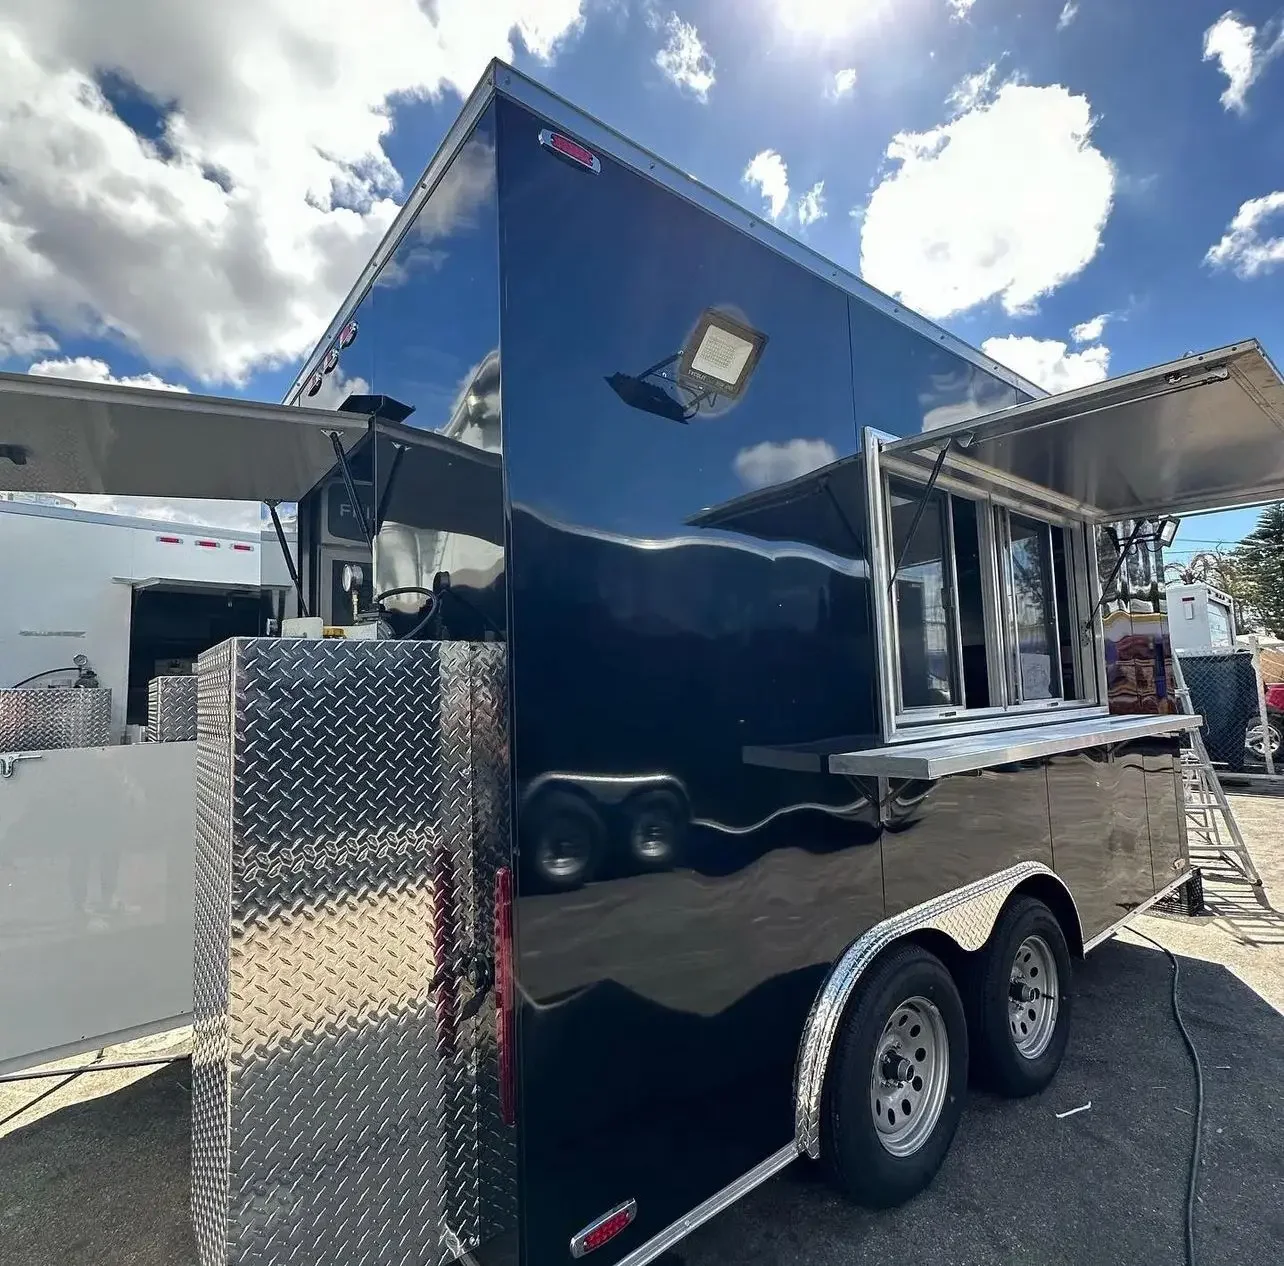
{"x": 502, "y": 79}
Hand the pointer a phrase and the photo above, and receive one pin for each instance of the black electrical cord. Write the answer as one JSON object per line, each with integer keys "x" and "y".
{"x": 1199, "y": 1101}
{"x": 49, "y": 672}
{"x": 428, "y": 614}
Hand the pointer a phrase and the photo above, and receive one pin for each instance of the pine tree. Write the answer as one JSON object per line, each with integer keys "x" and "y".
{"x": 1261, "y": 555}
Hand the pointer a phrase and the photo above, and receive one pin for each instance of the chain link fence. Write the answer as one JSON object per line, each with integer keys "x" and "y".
{"x": 1224, "y": 688}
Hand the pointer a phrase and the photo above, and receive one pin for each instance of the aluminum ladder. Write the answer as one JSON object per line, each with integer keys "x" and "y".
{"x": 1207, "y": 810}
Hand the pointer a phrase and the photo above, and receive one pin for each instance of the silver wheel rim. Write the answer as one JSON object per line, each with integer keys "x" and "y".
{"x": 562, "y": 854}
{"x": 651, "y": 835}
{"x": 1033, "y": 997}
{"x": 1256, "y": 739}
{"x": 910, "y": 1077}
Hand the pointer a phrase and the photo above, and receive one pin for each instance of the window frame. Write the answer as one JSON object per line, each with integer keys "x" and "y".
{"x": 994, "y": 504}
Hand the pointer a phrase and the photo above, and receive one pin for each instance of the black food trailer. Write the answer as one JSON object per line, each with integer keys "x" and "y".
{"x": 728, "y": 740}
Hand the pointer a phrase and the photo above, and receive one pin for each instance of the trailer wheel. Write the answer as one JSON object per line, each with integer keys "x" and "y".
{"x": 896, "y": 1081}
{"x": 564, "y": 841}
{"x": 1019, "y": 1001}
{"x": 657, "y": 823}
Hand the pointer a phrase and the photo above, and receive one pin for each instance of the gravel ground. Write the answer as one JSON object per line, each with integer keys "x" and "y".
{"x": 98, "y": 1172}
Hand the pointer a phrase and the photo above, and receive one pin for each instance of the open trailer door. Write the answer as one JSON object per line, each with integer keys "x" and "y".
{"x": 96, "y": 837}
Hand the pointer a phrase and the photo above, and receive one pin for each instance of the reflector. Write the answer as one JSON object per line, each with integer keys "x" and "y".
{"x": 571, "y": 150}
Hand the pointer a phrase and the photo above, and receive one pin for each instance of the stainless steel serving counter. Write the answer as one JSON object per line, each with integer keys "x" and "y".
{"x": 964, "y": 754}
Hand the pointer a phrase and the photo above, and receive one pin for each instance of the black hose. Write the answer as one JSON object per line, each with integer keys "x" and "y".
{"x": 49, "y": 672}
{"x": 427, "y": 615}
{"x": 1199, "y": 1101}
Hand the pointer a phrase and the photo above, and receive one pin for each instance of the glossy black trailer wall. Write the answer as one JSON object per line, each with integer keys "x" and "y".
{"x": 427, "y": 335}
{"x": 662, "y": 620}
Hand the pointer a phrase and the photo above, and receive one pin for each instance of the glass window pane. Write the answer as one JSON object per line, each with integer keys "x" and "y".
{"x": 1061, "y": 563}
{"x": 967, "y": 566}
{"x": 922, "y": 597}
{"x": 1030, "y": 575}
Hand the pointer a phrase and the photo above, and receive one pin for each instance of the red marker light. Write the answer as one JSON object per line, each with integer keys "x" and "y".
{"x": 314, "y": 384}
{"x": 571, "y": 150}
{"x": 348, "y": 335}
{"x": 208, "y": 544}
{"x": 607, "y": 1227}
{"x": 331, "y": 362}
{"x": 170, "y": 540}
{"x": 242, "y": 548}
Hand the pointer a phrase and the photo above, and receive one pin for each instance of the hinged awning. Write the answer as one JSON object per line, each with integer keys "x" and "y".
{"x": 1201, "y": 433}
{"x": 62, "y": 436}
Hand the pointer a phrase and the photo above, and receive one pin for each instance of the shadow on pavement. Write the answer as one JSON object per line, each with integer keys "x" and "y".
{"x": 105, "y": 1183}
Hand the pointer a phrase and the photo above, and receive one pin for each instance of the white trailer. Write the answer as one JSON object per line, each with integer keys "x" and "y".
{"x": 96, "y": 838}
{"x": 1201, "y": 619}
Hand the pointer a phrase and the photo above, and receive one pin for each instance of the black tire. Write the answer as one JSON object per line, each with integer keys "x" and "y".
{"x": 997, "y": 1025}
{"x": 562, "y": 842}
{"x": 852, "y": 1146}
{"x": 657, "y": 822}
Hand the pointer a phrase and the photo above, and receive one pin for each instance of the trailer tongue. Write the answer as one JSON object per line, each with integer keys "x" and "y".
{"x": 745, "y": 718}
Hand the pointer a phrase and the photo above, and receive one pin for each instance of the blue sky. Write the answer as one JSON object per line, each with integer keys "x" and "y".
{"x": 1015, "y": 167}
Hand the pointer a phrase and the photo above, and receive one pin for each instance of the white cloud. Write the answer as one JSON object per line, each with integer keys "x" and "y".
{"x": 685, "y": 60}
{"x": 811, "y": 206}
{"x": 1242, "y": 53}
{"x": 227, "y": 245}
{"x": 767, "y": 170}
{"x": 766, "y": 464}
{"x": 1090, "y": 331}
{"x": 843, "y": 82}
{"x": 959, "y": 9}
{"x": 1049, "y": 362}
{"x": 91, "y": 369}
{"x": 973, "y": 90}
{"x": 1243, "y": 248}
{"x": 1068, "y": 15}
{"x": 950, "y": 227}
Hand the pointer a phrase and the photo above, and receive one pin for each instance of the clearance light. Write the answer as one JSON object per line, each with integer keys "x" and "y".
{"x": 571, "y": 150}
{"x": 314, "y": 384}
{"x": 170, "y": 540}
{"x": 606, "y": 1228}
{"x": 242, "y": 548}
{"x": 348, "y": 335}
{"x": 208, "y": 544}
{"x": 331, "y": 362}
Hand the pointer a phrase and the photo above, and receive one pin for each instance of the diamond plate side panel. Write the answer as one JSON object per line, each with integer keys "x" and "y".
{"x": 356, "y": 966}
{"x": 171, "y": 709}
{"x": 44, "y": 720}
{"x": 213, "y": 897}
{"x": 496, "y": 1142}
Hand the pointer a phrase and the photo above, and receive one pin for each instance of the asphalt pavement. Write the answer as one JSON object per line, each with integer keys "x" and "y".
{"x": 103, "y": 1181}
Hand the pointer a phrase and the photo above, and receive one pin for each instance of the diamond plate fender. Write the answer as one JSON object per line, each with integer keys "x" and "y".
{"x": 966, "y": 915}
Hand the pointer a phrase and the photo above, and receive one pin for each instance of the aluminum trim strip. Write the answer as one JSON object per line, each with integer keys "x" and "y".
{"x": 938, "y": 759}
{"x": 966, "y": 915}
{"x": 1114, "y": 928}
{"x": 701, "y": 1214}
{"x": 604, "y": 139}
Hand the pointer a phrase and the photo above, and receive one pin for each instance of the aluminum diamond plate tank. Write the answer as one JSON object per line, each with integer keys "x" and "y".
{"x": 42, "y": 720}
{"x": 171, "y": 709}
{"x": 351, "y": 815}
